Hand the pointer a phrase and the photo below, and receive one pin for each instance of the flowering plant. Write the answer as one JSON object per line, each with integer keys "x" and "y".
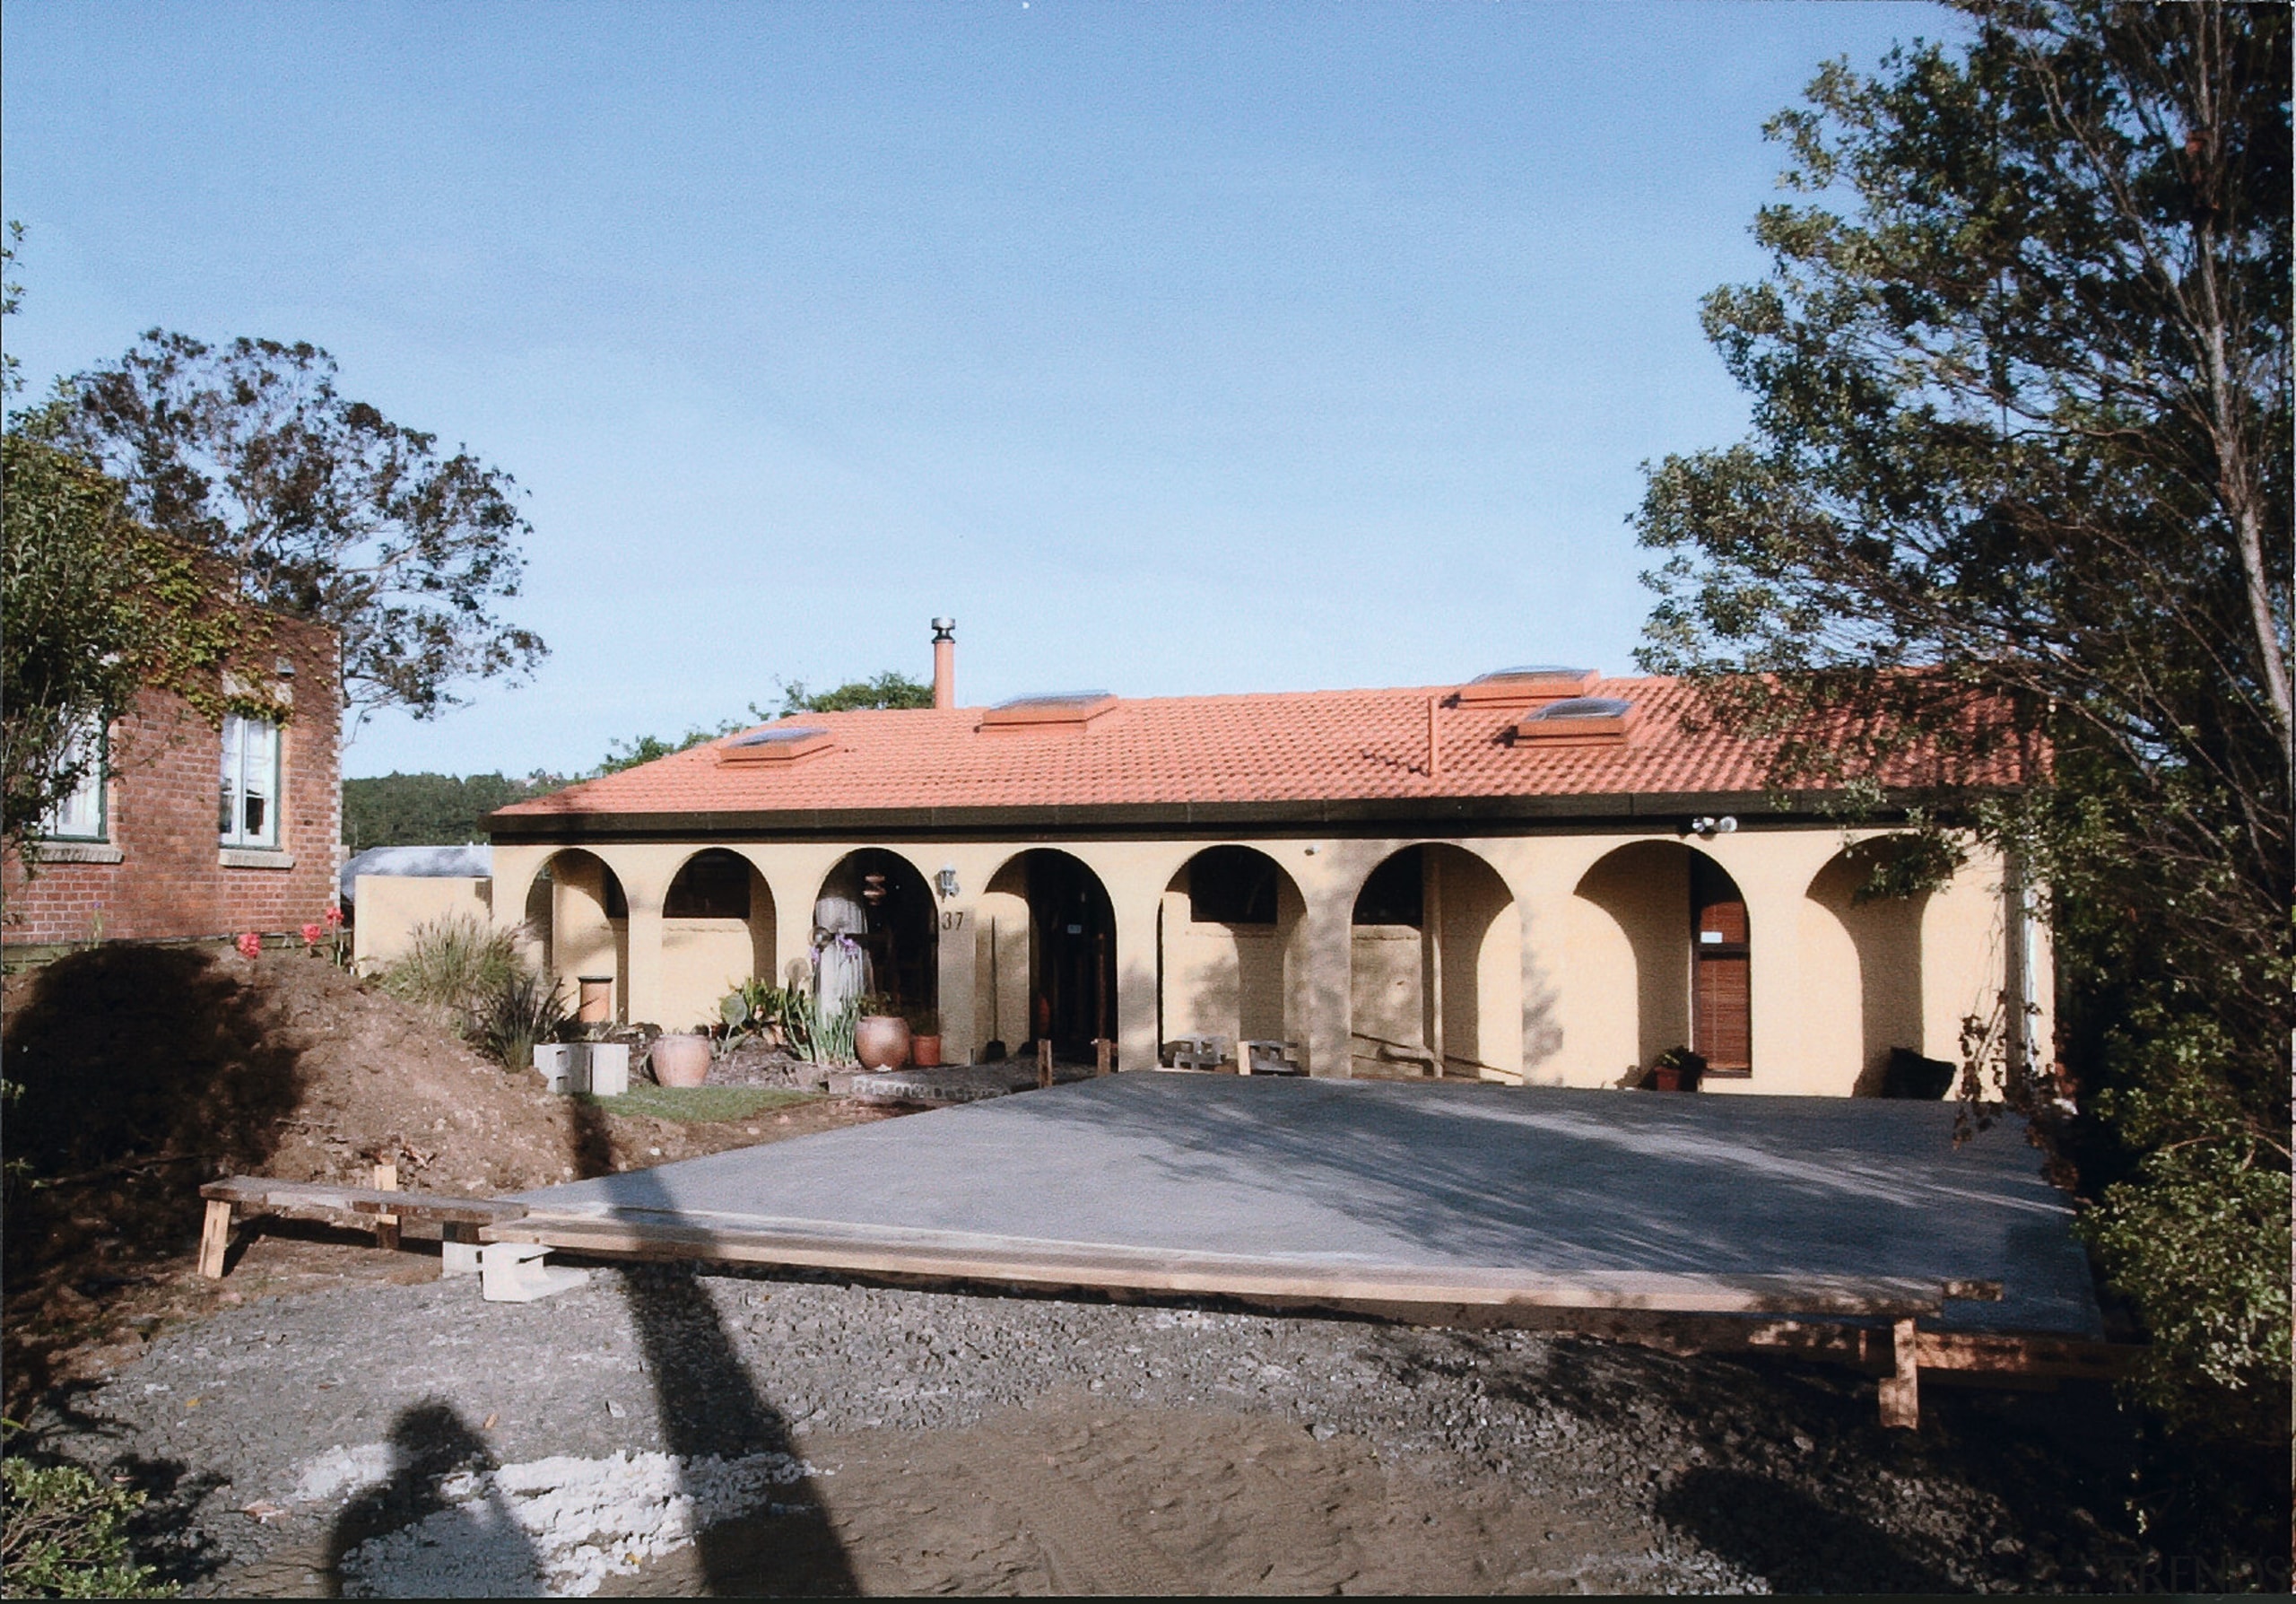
{"x": 250, "y": 946}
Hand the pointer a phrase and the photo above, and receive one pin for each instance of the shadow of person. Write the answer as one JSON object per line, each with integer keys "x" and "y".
{"x": 460, "y": 1551}
{"x": 1797, "y": 1544}
{"x": 709, "y": 1405}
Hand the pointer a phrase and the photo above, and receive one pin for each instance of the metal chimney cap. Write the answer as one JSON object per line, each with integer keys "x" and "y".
{"x": 944, "y": 629}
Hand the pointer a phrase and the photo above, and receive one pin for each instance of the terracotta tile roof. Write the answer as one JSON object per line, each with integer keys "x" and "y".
{"x": 1303, "y": 747}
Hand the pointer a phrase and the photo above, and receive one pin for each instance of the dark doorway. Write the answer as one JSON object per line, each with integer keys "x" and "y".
{"x": 1072, "y": 954}
{"x": 903, "y": 941}
{"x": 1721, "y": 993}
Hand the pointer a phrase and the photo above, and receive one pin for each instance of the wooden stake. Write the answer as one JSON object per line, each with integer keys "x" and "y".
{"x": 1901, "y": 1389}
{"x": 1044, "y": 1061}
{"x": 386, "y": 1224}
{"x": 1104, "y": 1057}
{"x": 214, "y": 1239}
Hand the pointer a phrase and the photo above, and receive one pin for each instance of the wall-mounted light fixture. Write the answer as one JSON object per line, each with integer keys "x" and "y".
{"x": 284, "y": 668}
{"x": 947, "y": 881}
{"x": 1708, "y": 824}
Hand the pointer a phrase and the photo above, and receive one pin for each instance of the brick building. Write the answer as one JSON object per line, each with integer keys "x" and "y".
{"x": 192, "y": 830}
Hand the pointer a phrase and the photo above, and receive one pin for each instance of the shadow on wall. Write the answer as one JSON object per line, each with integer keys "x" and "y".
{"x": 708, "y": 1404}
{"x": 1885, "y": 934}
{"x": 145, "y": 1070}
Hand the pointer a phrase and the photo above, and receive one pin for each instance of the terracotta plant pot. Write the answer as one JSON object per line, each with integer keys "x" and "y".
{"x": 881, "y": 1041}
{"x": 925, "y": 1052}
{"x": 681, "y": 1060}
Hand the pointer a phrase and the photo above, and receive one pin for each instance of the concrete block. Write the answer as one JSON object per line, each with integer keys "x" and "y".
{"x": 459, "y": 1257}
{"x": 563, "y": 1065}
{"x": 609, "y": 1068}
{"x": 513, "y": 1272}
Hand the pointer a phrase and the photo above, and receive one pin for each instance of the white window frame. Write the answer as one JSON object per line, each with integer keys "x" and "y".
{"x": 260, "y": 761}
{"x": 92, "y": 795}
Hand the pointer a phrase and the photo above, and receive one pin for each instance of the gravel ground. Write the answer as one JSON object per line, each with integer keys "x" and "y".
{"x": 885, "y": 1440}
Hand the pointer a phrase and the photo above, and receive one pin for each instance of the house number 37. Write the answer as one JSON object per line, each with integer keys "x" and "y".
{"x": 953, "y": 919}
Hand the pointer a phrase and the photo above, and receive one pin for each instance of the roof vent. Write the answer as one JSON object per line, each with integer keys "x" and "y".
{"x": 1063, "y": 710}
{"x": 1576, "y": 718}
{"x": 775, "y": 743}
{"x": 1524, "y": 687}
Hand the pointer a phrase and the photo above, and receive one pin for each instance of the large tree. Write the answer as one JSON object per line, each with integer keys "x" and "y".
{"x": 317, "y": 505}
{"x": 2022, "y": 435}
{"x": 96, "y": 607}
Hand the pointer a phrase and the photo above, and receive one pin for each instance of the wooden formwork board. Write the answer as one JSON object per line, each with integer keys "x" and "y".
{"x": 1037, "y": 1263}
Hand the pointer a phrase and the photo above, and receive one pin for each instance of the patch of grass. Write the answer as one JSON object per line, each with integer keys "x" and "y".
{"x": 452, "y": 966}
{"x": 700, "y": 1105}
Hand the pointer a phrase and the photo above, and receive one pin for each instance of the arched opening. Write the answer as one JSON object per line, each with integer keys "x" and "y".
{"x": 1435, "y": 969}
{"x": 718, "y": 930}
{"x": 1671, "y": 924}
{"x": 1850, "y": 928}
{"x": 577, "y": 929}
{"x": 885, "y": 894}
{"x": 1228, "y": 965}
{"x": 1047, "y": 967}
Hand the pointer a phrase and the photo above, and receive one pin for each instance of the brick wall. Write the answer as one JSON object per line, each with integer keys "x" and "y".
{"x": 171, "y": 879}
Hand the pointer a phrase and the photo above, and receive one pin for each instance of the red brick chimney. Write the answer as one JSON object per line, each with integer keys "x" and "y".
{"x": 944, "y": 662}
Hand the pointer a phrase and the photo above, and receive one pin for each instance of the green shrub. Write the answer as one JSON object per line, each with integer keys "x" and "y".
{"x": 524, "y": 1013}
{"x": 455, "y": 967}
{"x": 61, "y": 1536}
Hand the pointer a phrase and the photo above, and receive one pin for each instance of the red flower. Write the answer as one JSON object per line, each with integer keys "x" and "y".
{"x": 250, "y": 946}
{"x": 312, "y": 932}
{"x": 333, "y": 917}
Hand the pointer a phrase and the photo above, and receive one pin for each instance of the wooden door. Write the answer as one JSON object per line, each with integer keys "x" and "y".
{"x": 1721, "y": 975}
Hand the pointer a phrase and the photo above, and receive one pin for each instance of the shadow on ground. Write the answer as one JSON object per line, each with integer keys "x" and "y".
{"x": 144, "y": 1071}
{"x": 431, "y": 1443}
{"x": 709, "y": 1405}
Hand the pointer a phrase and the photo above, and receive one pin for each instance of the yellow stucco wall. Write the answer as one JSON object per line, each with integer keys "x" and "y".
{"x": 1564, "y": 957}
{"x": 388, "y": 908}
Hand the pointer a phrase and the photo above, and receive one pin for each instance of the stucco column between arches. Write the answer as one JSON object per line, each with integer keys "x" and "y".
{"x": 645, "y": 980}
{"x": 1136, "y": 975}
{"x": 1776, "y": 999}
{"x": 1327, "y": 930}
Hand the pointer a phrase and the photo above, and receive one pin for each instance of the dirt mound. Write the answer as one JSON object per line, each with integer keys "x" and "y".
{"x": 147, "y": 1071}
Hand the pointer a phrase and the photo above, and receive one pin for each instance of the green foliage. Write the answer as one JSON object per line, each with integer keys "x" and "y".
{"x": 700, "y": 1105}
{"x": 426, "y": 810}
{"x": 97, "y": 608}
{"x": 645, "y": 749}
{"x": 315, "y": 505}
{"x": 889, "y": 689}
{"x": 524, "y": 1012}
{"x": 62, "y": 1535}
{"x": 455, "y": 967}
{"x": 816, "y": 1037}
{"x": 2008, "y": 542}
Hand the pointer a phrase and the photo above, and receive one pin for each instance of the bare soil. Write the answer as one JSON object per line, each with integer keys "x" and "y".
{"x": 148, "y": 1070}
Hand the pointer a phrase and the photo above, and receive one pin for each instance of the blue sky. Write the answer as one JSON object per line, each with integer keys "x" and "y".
{"x": 1170, "y": 348}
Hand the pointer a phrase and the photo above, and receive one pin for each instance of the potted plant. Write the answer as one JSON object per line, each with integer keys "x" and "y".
{"x": 880, "y": 1040}
{"x": 924, "y": 1038}
{"x": 1676, "y": 1069}
{"x": 681, "y": 1057}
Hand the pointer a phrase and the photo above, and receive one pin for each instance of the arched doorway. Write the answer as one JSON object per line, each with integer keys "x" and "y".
{"x": 1661, "y": 957}
{"x": 1851, "y": 927}
{"x": 900, "y": 933}
{"x": 577, "y": 931}
{"x": 1435, "y": 969}
{"x": 718, "y": 930}
{"x": 1049, "y": 970}
{"x": 1227, "y": 934}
